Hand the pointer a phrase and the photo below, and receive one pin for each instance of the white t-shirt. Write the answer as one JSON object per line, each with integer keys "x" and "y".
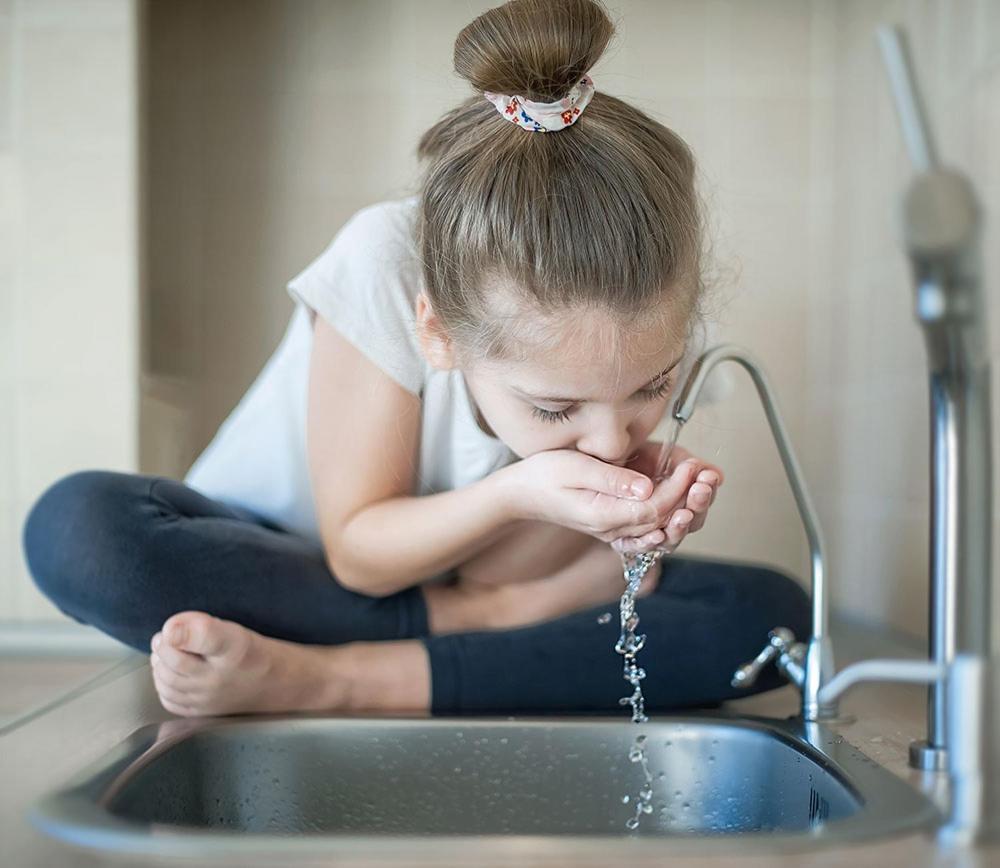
{"x": 364, "y": 284}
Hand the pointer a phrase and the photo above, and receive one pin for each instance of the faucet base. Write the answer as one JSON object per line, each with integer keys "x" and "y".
{"x": 928, "y": 757}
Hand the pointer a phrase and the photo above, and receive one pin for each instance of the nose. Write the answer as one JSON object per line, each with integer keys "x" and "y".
{"x": 608, "y": 440}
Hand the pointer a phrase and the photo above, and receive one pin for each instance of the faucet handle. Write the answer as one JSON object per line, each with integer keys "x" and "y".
{"x": 782, "y": 641}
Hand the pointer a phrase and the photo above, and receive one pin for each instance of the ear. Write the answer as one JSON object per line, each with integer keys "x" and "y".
{"x": 435, "y": 344}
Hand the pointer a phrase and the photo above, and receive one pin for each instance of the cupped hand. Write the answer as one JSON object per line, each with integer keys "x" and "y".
{"x": 682, "y": 497}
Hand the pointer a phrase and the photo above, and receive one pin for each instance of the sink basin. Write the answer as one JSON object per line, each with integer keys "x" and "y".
{"x": 420, "y": 786}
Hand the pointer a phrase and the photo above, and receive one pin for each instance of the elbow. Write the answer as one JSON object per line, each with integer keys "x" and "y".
{"x": 364, "y": 585}
{"x": 357, "y": 579}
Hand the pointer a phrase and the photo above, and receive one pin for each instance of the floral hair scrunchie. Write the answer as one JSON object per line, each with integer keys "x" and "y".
{"x": 544, "y": 117}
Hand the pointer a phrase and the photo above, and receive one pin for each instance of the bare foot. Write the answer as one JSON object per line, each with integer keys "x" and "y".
{"x": 203, "y": 665}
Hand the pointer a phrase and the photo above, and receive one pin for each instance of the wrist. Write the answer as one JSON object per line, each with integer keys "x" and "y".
{"x": 506, "y": 493}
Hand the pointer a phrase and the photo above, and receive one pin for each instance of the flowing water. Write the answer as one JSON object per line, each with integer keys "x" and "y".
{"x": 635, "y": 567}
{"x": 630, "y": 643}
{"x": 644, "y": 801}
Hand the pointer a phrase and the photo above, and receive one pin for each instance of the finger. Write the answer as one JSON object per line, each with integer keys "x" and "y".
{"x": 636, "y": 518}
{"x": 699, "y": 497}
{"x": 610, "y": 479}
{"x": 698, "y": 522}
{"x": 701, "y": 515}
{"x": 633, "y": 518}
{"x": 677, "y": 529}
{"x": 671, "y": 493}
{"x": 711, "y": 475}
{"x": 634, "y": 545}
{"x": 635, "y": 529}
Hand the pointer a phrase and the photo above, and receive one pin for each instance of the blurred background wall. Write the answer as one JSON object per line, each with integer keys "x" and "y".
{"x": 138, "y": 304}
{"x": 69, "y": 260}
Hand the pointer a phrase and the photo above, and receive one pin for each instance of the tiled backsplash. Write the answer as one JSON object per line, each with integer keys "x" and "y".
{"x": 69, "y": 264}
{"x": 271, "y": 122}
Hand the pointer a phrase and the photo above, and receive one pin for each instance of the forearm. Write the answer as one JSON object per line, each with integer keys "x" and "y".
{"x": 397, "y": 543}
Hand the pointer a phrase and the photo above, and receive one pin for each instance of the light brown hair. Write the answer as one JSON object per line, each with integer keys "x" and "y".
{"x": 601, "y": 213}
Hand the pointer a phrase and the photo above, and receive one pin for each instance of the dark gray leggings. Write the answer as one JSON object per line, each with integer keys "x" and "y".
{"x": 124, "y": 551}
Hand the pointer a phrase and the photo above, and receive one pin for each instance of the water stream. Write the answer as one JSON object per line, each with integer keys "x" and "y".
{"x": 635, "y": 567}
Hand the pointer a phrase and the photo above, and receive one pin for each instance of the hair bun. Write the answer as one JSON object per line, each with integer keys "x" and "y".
{"x": 536, "y": 48}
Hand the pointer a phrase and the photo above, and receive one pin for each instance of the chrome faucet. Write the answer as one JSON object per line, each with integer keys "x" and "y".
{"x": 941, "y": 223}
{"x": 809, "y": 666}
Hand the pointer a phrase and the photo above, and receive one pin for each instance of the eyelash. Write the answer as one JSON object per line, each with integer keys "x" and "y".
{"x": 563, "y": 415}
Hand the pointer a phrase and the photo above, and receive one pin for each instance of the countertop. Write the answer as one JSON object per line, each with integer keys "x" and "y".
{"x": 43, "y": 751}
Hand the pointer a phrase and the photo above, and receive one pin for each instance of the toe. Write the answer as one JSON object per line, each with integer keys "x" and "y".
{"x": 164, "y": 675}
{"x": 178, "y": 708}
{"x": 184, "y": 663}
{"x": 172, "y": 692}
{"x": 196, "y": 633}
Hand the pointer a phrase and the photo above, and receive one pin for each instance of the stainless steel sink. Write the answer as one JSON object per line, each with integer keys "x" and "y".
{"x": 418, "y": 786}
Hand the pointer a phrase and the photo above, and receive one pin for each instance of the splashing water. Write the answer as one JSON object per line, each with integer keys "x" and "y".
{"x": 644, "y": 801}
{"x": 635, "y": 567}
{"x": 629, "y": 643}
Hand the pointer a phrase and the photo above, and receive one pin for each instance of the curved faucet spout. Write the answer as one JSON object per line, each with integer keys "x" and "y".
{"x": 818, "y": 663}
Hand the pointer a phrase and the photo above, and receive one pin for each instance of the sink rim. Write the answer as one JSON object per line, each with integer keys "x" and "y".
{"x": 77, "y": 812}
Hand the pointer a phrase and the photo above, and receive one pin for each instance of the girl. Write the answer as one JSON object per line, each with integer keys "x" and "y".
{"x": 411, "y": 508}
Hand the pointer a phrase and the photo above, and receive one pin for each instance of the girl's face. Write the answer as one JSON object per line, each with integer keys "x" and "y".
{"x": 583, "y": 383}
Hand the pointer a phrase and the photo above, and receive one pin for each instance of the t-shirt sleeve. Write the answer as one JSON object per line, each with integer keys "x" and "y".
{"x": 363, "y": 284}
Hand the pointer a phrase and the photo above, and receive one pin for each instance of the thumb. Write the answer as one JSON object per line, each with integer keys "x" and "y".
{"x": 597, "y": 475}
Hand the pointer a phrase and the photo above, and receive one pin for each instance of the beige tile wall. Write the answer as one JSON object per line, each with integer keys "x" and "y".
{"x": 269, "y": 123}
{"x": 867, "y": 410}
{"x": 68, "y": 258}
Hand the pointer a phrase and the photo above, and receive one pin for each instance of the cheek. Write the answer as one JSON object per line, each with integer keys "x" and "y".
{"x": 512, "y": 422}
{"x": 527, "y": 435}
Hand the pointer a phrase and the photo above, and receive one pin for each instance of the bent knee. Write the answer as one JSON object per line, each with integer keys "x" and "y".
{"x": 776, "y": 596}
{"x": 756, "y": 596}
{"x": 75, "y": 528}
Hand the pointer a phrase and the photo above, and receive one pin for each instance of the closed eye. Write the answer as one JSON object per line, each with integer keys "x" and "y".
{"x": 550, "y": 415}
{"x": 657, "y": 391}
